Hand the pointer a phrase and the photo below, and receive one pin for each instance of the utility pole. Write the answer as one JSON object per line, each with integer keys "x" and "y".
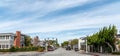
{"x": 46, "y": 47}
{"x": 86, "y": 46}
{"x": 46, "y": 44}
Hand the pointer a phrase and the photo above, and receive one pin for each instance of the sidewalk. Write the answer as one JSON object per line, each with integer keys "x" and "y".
{"x": 101, "y": 54}
{"x": 2, "y": 53}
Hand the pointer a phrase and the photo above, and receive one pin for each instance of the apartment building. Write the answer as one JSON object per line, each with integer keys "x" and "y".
{"x": 7, "y": 40}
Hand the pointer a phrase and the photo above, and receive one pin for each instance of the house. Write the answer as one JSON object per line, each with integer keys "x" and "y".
{"x": 118, "y": 36}
{"x": 118, "y": 42}
{"x": 82, "y": 43}
{"x": 90, "y": 48}
{"x": 36, "y": 41}
{"x": 7, "y": 40}
{"x": 42, "y": 43}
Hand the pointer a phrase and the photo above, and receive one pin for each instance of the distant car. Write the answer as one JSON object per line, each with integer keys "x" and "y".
{"x": 50, "y": 48}
{"x": 68, "y": 48}
{"x": 76, "y": 49}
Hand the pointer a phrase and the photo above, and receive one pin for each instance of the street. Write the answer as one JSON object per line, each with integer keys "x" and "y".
{"x": 58, "y": 52}
{"x": 63, "y": 52}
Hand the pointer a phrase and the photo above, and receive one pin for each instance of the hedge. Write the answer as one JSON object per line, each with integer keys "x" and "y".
{"x": 16, "y": 49}
{"x": 116, "y": 53}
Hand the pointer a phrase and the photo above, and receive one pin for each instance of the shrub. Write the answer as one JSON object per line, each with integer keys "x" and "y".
{"x": 12, "y": 49}
{"x": 116, "y": 53}
{"x": 40, "y": 49}
{"x": 17, "y": 49}
{"x": 4, "y": 50}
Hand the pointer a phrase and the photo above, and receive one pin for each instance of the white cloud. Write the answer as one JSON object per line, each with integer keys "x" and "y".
{"x": 96, "y": 18}
{"x": 40, "y": 5}
{"x": 75, "y": 22}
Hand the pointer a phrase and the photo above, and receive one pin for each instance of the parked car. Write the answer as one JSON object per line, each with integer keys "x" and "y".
{"x": 76, "y": 49}
{"x": 50, "y": 48}
{"x": 68, "y": 48}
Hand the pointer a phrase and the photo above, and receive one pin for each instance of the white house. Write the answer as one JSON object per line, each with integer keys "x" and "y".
{"x": 6, "y": 40}
{"x": 82, "y": 44}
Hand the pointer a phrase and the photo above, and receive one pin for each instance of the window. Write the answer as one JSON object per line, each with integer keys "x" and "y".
{"x": 0, "y": 46}
{"x": 7, "y": 37}
{"x": 3, "y": 46}
{"x": 3, "y": 37}
{"x": 12, "y": 37}
{"x": 11, "y": 45}
{"x": 7, "y": 46}
{"x": 0, "y": 37}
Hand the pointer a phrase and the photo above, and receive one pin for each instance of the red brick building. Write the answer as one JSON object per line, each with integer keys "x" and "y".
{"x": 17, "y": 39}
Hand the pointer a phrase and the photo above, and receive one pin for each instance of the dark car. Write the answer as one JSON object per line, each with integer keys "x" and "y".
{"x": 68, "y": 48}
{"x": 76, "y": 49}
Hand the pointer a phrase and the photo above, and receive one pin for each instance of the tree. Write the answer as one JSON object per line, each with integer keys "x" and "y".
{"x": 74, "y": 42}
{"x": 93, "y": 39}
{"x": 28, "y": 41}
{"x": 51, "y": 42}
{"x": 105, "y": 36}
{"x": 109, "y": 36}
{"x": 65, "y": 43}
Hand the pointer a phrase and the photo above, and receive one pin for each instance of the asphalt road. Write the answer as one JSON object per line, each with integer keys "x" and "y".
{"x": 58, "y": 52}
{"x": 63, "y": 52}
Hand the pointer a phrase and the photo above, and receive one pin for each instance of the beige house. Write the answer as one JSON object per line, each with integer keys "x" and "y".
{"x": 82, "y": 44}
{"x": 118, "y": 42}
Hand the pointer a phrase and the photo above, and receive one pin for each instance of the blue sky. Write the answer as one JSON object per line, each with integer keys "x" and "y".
{"x": 62, "y": 19}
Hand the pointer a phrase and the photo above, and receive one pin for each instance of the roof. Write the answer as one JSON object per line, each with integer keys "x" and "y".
{"x": 23, "y": 35}
{"x": 83, "y": 38}
{"x": 2, "y": 34}
{"x": 6, "y": 34}
{"x": 118, "y": 34}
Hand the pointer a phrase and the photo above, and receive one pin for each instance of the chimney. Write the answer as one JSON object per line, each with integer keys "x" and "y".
{"x": 17, "y": 39}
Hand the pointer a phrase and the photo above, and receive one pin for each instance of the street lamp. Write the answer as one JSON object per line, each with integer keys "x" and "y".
{"x": 86, "y": 46}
